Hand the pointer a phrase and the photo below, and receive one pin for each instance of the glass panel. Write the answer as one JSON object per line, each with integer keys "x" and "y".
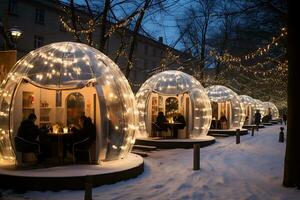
{"x": 221, "y": 94}
{"x": 28, "y": 104}
{"x": 67, "y": 66}
{"x": 174, "y": 84}
{"x": 58, "y": 97}
{"x": 171, "y": 107}
{"x": 214, "y": 106}
{"x": 75, "y": 107}
{"x": 154, "y": 109}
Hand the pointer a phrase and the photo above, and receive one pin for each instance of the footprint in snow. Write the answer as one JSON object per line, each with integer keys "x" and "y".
{"x": 157, "y": 186}
{"x": 184, "y": 186}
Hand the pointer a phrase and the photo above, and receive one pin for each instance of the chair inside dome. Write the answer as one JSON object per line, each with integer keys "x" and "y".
{"x": 61, "y": 117}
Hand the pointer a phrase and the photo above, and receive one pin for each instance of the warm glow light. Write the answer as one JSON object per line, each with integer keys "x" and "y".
{"x": 16, "y": 33}
{"x": 68, "y": 66}
{"x": 222, "y": 94}
{"x": 172, "y": 84}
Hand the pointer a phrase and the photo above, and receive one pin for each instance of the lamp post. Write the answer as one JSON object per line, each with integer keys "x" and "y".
{"x": 15, "y": 33}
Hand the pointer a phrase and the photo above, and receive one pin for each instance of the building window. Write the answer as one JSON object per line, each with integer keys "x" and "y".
{"x": 40, "y": 16}
{"x": 145, "y": 64}
{"x": 12, "y": 6}
{"x": 146, "y": 49}
{"x": 38, "y": 41}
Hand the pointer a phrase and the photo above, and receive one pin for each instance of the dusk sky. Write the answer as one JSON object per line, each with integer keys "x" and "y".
{"x": 164, "y": 24}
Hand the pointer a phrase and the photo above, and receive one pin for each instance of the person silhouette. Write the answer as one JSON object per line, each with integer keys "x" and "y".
{"x": 223, "y": 121}
{"x": 161, "y": 122}
{"x": 178, "y": 119}
{"x": 257, "y": 118}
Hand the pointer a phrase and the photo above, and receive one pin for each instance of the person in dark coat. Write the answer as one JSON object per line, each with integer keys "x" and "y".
{"x": 178, "y": 119}
{"x": 91, "y": 129}
{"x": 284, "y": 118}
{"x": 213, "y": 124}
{"x": 161, "y": 122}
{"x": 257, "y": 118}
{"x": 28, "y": 130}
{"x": 31, "y": 133}
{"x": 223, "y": 121}
{"x": 87, "y": 130}
{"x": 80, "y": 133}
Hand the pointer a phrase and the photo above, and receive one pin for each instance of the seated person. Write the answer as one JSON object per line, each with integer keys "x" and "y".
{"x": 92, "y": 130}
{"x": 28, "y": 130}
{"x": 265, "y": 119}
{"x": 87, "y": 130}
{"x": 213, "y": 124}
{"x": 178, "y": 119}
{"x": 270, "y": 117}
{"x": 223, "y": 121}
{"x": 246, "y": 119}
{"x": 31, "y": 133}
{"x": 80, "y": 133}
{"x": 161, "y": 122}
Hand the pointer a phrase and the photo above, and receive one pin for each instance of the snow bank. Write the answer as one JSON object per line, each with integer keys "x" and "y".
{"x": 250, "y": 170}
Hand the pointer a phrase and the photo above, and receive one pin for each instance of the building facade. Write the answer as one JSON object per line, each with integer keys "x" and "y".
{"x": 40, "y": 23}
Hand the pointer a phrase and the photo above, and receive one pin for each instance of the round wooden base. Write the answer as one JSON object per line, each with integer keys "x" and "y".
{"x": 71, "y": 177}
{"x": 226, "y": 132}
{"x": 175, "y": 143}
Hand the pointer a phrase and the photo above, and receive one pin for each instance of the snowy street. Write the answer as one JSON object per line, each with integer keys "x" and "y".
{"x": 250, "y": 170}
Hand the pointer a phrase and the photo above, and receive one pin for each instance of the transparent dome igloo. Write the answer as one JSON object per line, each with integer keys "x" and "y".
{"x": 61, "y": 81}
{"x": 271, "y": 107}
{"x": 248, "y": 104}
{"x": 226, "y": 102}
{"x": 260, "y": 107}
{"x": 189, "y": 95}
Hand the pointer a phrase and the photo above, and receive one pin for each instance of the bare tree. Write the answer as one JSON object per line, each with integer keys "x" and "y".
{"x": 151, "y": 7}
{"x": 122, "y": 18}
{"x": 83, "y": 20}
{"x": 194, "y": 30}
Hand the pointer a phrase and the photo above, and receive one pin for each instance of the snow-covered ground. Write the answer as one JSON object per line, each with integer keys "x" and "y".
{"x": 250, "y": 170}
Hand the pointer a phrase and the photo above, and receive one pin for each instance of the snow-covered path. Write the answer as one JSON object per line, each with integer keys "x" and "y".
{"x": 250, "y": 170}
